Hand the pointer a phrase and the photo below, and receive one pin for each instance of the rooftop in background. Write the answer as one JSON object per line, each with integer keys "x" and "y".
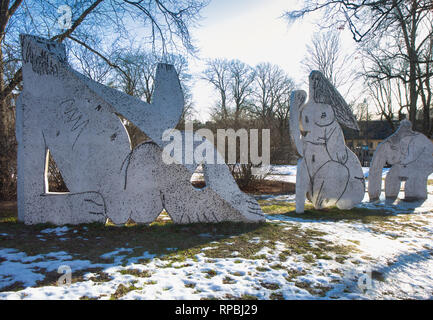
{"x": 373, "y": 129}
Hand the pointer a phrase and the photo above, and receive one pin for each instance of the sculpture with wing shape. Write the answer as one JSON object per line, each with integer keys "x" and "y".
{"x": 328, "y": 173}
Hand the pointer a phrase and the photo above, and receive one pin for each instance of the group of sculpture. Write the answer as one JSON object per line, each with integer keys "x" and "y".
{"x": 330, "y": 174}
{"x": 63, "y": 113}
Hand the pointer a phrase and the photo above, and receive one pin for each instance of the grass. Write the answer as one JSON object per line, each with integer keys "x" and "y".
{"x": 210, "y": 273}
{"x": 276, "y": 296}
{"x": 101, "y": 277}
{"x": 88, "y": 298}
{"x": 313, "y": 290}
{"x": 123, "y": 290}
{"x": 328, "y": 214}
{"x": 93, "y": 240}
{"x": 270, "y": 285}
{"x": 190, "y": 285}
{"x": 228, "y": 280}
{"x": 90, "y": 241}
{"x": 262, "y": 269}
{"x": 293, "y": 274}
{"x": 137, "y": 273}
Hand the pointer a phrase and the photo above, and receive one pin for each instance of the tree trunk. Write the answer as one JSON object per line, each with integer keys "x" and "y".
{"x": 8, "y": 145}
{"x": 413, "y": 97}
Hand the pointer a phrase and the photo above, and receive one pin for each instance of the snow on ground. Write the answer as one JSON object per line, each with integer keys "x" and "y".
{"x": 60, "y": 231}
{"x": 389, "y": 259}
{"x": 287, "y": 173}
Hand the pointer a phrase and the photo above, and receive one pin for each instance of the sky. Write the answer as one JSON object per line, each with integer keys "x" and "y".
{"x": 252, "y": 31}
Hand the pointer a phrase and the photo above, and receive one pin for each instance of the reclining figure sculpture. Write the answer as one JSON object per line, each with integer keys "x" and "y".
{"x": 410, "y": 155}
{"x": 63, "y": 113}
{"x": 328, "y": 173}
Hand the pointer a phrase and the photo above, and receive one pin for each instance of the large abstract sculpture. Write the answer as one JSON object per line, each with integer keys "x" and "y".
{"x": 328, "y": 173}
{"x": 65, "y": 114}
{"x": 410, "y": 155}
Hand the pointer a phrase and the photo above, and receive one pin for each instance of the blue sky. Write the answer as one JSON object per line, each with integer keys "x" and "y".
{"x": 253, "y": 32}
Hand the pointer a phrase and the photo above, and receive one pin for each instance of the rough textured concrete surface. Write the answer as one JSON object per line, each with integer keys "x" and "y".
{"x": 328, "y": 173}
{"x": 410, "y": 155}
{"x": 63, "y": 113}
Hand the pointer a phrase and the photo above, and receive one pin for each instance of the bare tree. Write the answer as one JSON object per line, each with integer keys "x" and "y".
{"x": 136, "y": 74}
{"x": 270, "y": 84}
{"x": 394, "y": 30}
{"x": 256, "y": 98}
{"x": 390, "y": 97}
{"x": 90, "y": 64}
{"x": 217, "y": 73}
{"x": 326, "y": 55}
{"x": 95, "y": 25}
{"x": 241, "y": 79}
{"x": 425, "y": 85}
{"x": 282, "y": 110}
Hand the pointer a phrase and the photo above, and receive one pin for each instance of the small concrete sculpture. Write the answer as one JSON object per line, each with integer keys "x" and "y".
{"x": 410, "y": 154}
{"x": 63, "y": 113}
{"x": 328, "y": 173}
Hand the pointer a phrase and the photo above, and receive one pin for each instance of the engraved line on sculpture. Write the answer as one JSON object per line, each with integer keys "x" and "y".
{"x": 347, "y": 181}
{"x": 94, "y": 202}
{"x": 105, "y": 205}
{"x": 79, "y": 133}
{"x": 103, "y": 200}
{"x": 251, "y": 210}
{"x": 319, "y": 195}
{"x": 325, "y": 125}
{"x": 205, "y": 217}
{"x": 329, "y": 135}
{"x": 308, "y": 170}
{"x": 189, "y": 219}
{"x": 316, "y": 143}
{"x": 42, "y": 64}
{"x": 344, "y": 158}
{"x": 87, "y": 200}
{"x": 127, "y": 160}
{"x": 71, "y": 116}
{"x": 409, "y": 151}
{"x": 214, "y": 216}
{"x": 362, "y": 180}
{"x": 183, "y": 214}
{"x": 96, "y": 213}
{"x": 312, "y": 179}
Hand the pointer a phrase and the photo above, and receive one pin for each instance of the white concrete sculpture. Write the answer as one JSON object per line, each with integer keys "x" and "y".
{"x": 73, "y": 118}
{"x": 328, "y": 173}
{"x": 410, "y": 155}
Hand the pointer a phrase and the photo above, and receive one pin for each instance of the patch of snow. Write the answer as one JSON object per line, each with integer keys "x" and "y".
{"x": 59, "y": 231}
{"x": 394, "y": 257}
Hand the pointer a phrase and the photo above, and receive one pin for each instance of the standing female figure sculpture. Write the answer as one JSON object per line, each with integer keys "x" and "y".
{"x": 328, "y": 173}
